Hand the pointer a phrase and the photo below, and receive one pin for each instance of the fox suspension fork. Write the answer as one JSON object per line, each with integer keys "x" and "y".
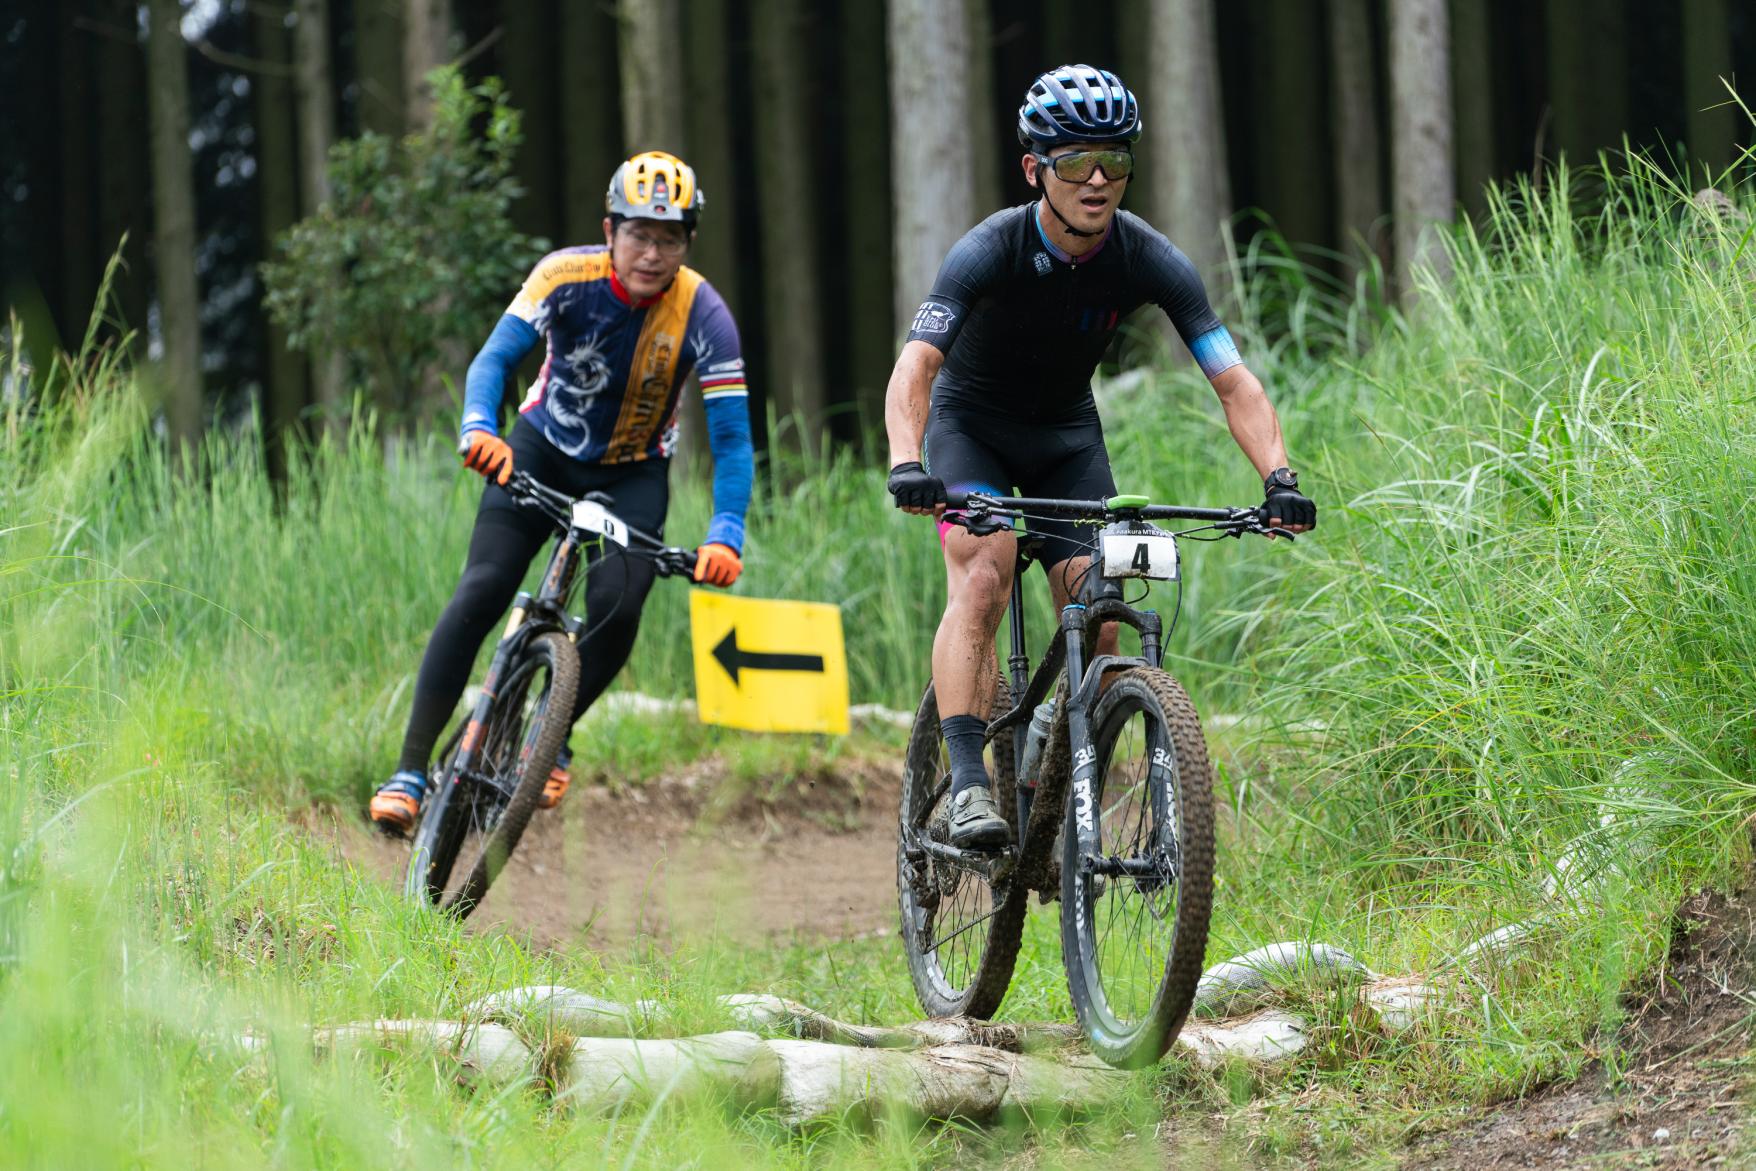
{"x": 1079, "y": 731}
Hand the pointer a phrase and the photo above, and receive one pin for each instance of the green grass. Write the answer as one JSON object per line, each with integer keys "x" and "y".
{"x": 1529, "y": 608}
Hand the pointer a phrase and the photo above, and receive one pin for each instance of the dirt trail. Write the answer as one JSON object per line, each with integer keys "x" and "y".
{"x": 693, "y": 854}
{"x": 1684, "y": 1099}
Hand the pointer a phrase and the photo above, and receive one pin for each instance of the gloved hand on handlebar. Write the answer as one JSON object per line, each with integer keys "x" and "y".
{"x": 717, "y": 565}
{"x": 1284, "y": 507}
{"x": 487, "y": 453}
{"x": 914, "y": 488}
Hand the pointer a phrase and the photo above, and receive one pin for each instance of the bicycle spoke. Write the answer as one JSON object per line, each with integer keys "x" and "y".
{"x": 1134, "y": 916}
{"x": 936, "y": 944}
{"x": 950, "y": 913}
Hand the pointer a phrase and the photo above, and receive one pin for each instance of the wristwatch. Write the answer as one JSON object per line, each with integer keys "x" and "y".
{"x": 1281, "y": 478}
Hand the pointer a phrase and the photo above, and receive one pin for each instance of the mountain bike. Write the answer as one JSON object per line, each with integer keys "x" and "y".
{"x": 494, "y": 764}
{"x": 1117, "y": 820}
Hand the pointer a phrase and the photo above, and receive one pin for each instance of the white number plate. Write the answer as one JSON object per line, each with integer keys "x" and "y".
{"x": 1151, "y": 555}
{"x": 595, "y": 518}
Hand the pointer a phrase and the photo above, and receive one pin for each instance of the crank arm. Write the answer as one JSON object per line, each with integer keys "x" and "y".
{"x": 991, "y": 866}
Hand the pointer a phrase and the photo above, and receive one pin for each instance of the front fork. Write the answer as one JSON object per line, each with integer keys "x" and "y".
{"x": 1079, "y": 734}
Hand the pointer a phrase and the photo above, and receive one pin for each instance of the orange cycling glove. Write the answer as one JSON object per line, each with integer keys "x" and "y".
{"x": 717, "y": 564}
{"x": 487, "y": 453}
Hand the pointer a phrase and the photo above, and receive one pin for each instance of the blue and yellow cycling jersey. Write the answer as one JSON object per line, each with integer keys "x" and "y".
{"x": 614, "y": 370}
{"x": 609, "y": 387}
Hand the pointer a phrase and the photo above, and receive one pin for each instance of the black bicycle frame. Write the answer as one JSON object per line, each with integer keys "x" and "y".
{"x": 548, "y": 609}
{"x": 1081, "y": 623}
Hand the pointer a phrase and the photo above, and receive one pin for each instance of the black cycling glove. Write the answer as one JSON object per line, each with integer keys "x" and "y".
{"x": 1284, "y": 506}
{"x": 913, "y": 487}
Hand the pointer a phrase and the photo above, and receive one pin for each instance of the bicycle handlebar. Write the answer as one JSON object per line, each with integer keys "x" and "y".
{"x": 980, "y": 506}
{"x": 667, "y": 560}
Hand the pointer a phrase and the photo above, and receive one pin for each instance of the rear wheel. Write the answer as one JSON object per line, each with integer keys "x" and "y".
{"x": 1134, "y": 913}
{"x": 473, "y": 821}
{"x": 960, "y": 932}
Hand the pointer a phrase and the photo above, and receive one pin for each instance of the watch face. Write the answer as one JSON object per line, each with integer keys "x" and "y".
{"x": 1285, "y": 478}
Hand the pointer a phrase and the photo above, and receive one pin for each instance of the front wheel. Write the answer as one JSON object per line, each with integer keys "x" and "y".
{"x": 1134, "y": 910}
{"x": 475, "y": 816}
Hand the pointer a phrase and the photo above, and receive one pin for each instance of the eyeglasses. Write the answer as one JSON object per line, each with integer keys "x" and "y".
{"x": 666, "y": 246}
{"x": 1077, "y": 166}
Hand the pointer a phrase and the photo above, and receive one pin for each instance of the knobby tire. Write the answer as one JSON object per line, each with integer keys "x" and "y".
{"x": 1142, "y": 1039}
{"x": 442, "y": 835}
{"x": 993, "y": 941}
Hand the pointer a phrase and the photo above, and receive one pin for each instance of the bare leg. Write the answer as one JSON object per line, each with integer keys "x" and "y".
{"x": 1063, "y": 578}
{"x": 978, "y": 581}
{"x": 978, "y": 585}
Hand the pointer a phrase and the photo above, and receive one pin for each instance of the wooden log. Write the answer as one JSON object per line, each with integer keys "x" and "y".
{"x": 585, "y": 1050}
{"x": 556, "y": 1007}
{"x": 608, "y": 1073}
{"x": 1249, "y": 981}
{"x": 1269, "y": 1035}
{"x": 776, "y": 1014}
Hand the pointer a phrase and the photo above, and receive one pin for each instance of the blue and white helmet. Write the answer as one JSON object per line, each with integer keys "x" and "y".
{"x": 1078, "y": 103}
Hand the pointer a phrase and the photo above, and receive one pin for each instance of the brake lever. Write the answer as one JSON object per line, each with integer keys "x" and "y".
{"x": 982, "y": 527}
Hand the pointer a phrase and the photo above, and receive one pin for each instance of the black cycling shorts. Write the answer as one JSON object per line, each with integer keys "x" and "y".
{"x": 1007, "y": 457}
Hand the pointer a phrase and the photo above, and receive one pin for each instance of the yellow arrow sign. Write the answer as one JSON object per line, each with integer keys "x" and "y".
{"x": 769, "y": 666}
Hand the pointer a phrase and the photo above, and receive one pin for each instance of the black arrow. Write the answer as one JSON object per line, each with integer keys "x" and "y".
{"x": 735, "y": 660}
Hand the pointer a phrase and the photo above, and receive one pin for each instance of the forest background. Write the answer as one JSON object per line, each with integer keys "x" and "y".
{"x": 1507, "y": 682}
{"x": 843, "y": 147}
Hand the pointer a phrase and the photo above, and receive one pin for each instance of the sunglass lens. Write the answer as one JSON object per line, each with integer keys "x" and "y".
{"x": 1078, "y": 167}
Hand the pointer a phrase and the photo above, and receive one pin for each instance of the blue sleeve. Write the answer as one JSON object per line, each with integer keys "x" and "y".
{"x": 734, "y": 467}
{"x": 719, "y": 367}
{"x": 505, "y": 348}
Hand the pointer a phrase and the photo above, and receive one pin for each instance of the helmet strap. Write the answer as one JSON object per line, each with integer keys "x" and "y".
{"x": 1070, "y": 228}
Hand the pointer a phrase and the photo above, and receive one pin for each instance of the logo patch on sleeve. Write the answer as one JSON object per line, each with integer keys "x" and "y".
{"x": 932, "y": 317}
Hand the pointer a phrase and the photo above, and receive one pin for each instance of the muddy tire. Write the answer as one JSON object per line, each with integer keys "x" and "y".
{"x": 960, "y": 933}
{"x": 1134, "y": 917}
{"x": 472, "y": 824}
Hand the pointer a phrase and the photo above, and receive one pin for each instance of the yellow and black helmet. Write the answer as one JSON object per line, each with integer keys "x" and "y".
{"x": 655, "y": 185}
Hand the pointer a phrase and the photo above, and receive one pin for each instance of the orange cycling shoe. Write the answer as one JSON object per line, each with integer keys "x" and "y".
{"x": 396, "y": 806}
{"x": 487, "y": 453}
{"x": 555, "y": 787}
{"x": 717, "y": 565}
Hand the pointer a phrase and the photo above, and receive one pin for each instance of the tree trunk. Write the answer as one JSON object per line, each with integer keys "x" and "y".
{"x": 1292, "y": 138}
{"x": 79, "y": 260}
{"x": 173, "y": 192}
{"x": 1472, "y": 71}
{"x": 791, "y": 294}
{"x": 984, "y": 120}
{"x": 284, "y": 396}
{"x": 1712, "y": 127}
{"x": 426, "y": 44}
{"x": 1191, "y": 191}
{"x": 865, "y": 130}
{"x": 122, "y": 206}
{"x": 592, "y": 129}
{"x": 378, "y": 35}
{"x": 316, "y": 103}
{"x": 706, "y": 35}
{"x": 929, "y": 75}
{"x": 1588, "y": 76}
{"x": 1420, "y": 129}
{"x": 1359, "y": 175}
{"x": 529, "y": 64}
{"x": 652, "y": 96}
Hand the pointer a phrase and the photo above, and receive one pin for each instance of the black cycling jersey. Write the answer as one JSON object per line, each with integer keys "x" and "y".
{"x": 1023, "y": 325}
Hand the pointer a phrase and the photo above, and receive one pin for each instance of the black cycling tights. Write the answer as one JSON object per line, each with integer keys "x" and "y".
{"x": 505, "y": 540}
